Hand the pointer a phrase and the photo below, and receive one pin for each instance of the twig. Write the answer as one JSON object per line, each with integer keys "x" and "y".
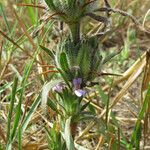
{"x": 31, "y": 5}
{"x": 98, "y": 18}
{"x": 108, "y": 6}
{"x": 123, "y": 13}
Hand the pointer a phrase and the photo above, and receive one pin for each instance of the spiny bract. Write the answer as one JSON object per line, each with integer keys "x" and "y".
{"x": 71, "y": 11}
{"x": 79, "y": 61}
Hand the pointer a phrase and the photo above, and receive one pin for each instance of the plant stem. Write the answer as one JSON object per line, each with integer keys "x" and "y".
{"x": 73, "y": 129}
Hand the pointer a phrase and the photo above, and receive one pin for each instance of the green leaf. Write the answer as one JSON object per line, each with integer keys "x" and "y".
{"x": 102, "y": 95}
{"x": 52, "y": 105}
{"x": 18, "y": 111}
{"x": 51, "y": 5}
{"x": 84, "y": 106}
{"x": 19, "y": 138}
{"x": 29, "y": 114}
{"x": 110, "y": 56}
{"x": 64, "y": 62}
{"x": 5, "y": 18}
{"x": 135, "y": 138}
{"x": 64, "y": 77}
{"x": 12, "y": 101}
{"x": 71, "y": 51}
{"x": 54, "y": 138}
{"x": 11, "y": 108}
{"x": 5, "y": 86}
{"x": 22, "y": 90}
{"x": 46, "y": 88}
{"x": 50, "y": 53}
{"x": 31, "y": 13}
{"x": 84, "y": 61}
{"x": 50, "y": 138}
{"x": 68, "y": 136}
{"x": 92, "y": 109}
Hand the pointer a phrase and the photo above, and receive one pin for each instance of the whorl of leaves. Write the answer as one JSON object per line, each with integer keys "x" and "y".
{"x": 82, "y": 60}
{"x": 71, "y": 11}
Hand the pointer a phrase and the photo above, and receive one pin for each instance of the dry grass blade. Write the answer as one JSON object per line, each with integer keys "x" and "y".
{"x": 2, "y": 135}
{"x": 45, "y": 20}
{"x": 100, "y": 142}
{"x": 123, "y": 13}
{"x": 48, "y": 71}
{"x": 11, "y": 40}
{"x": 14, "y": 43}
{"x": 90, "y": 125}
{"x": 132, "y": 78}
{"x": 32, "y": 146}
{"x": 1, "y": 48}
{"x": 145, "y": 18}
{"x": 22, "y": 25}
{"x": 146, "y": 78}
{"x": 145, "y": 84}
{"x": 100, "y": 120}
{"x": 111, "y": 142}
{"x": 4, "y": 69}
{"x": 128, "y": 73}
{"x": 125, "y": 119}
{"x": 31, "y": 5}
{"x": 124, "y": 77}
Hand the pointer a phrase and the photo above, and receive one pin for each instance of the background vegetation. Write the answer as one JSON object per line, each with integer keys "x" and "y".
{"x": 116, "y": 109}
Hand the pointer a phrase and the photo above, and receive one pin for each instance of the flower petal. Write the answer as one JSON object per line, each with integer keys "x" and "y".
{"x": 77, "y": 82}
{"x": 80, "y": 92}
{"x": 58, "y": 87}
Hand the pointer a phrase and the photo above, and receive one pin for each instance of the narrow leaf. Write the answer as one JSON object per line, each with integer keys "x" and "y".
{"x": 12, "y": 101}
{"x": 64, "y": 62}
{"x": 135, "y": 134}
{"x": 46, "y": 88}
{"x": 68, "y": 136}
{"x": 50, "y": 53}
{"x": 29, "y": 114}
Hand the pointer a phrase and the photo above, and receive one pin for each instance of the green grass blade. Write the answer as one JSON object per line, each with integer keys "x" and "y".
{"x": 18, "y": 111}
{"x": 107, "y": 104}
{"x": 5, "y": 18}
{"x": 31, "y": 13}
{"x": 64, "y": 77}
{"x": 102, "y": 95}
{"x": 5, "y": 86}
{"x": 52, "y": 105}
{"x": 23, "y": 85}
{"x": 50, "y": 53}
{"x": 19, "y": 138}
{"x": 30, "y": 113}
{"x": 137, "y": 129}
{"x": 14, "y": 89}
{"x": 49, "y": 138}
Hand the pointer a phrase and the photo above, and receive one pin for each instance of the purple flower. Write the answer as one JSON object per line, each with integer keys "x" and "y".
{"x": 77, "y": 83}
{"x": 77, "y": 86}
{"x": 80, "y": 92}
{"x": 59, "y": 87}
